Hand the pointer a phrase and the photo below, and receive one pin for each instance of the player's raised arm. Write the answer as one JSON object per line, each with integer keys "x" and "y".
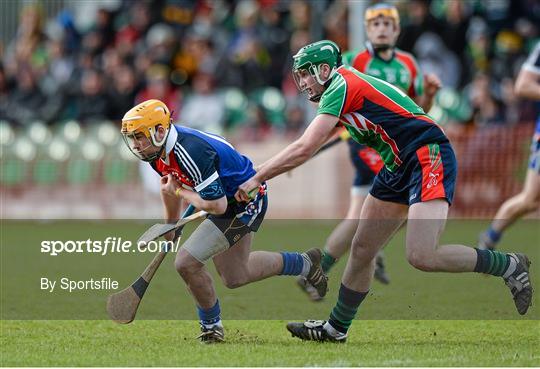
{"x": 321, "y": 128}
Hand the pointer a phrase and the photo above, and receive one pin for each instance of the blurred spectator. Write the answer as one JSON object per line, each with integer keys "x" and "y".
{"x": 457, "y": 16}
{"x": 487, "y": 109}
{"x": 433, "y": 57}
{"x": 92, "y": 103}
{"x": 27, "y": 100}
{"x": 60, "y": 67}
{"x": 418, "y": 21}
{"x": 111, "y": 61}
{"x": 124, "y": 90}
{"x": 138, "y": 23}
{"x": 28, "y": 45}
{"x": 5, "y": 89}
{"x": 158, "y": 86}
{"x": 336, "y": 23}
{"x": 247, "y": 61}
{"x": 161, "y": 44}
{"x": 204, "y": 109}
{"x": 300, "y": 15}
{"x": 196, "y": 53}
{"x": 275, "y": 40}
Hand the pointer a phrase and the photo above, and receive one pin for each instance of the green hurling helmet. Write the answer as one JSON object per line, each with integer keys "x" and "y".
{"x": 311, "y": 56}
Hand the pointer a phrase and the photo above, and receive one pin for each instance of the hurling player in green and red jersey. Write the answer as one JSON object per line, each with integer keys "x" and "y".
{"x": 416, "y": 184}
{"x": 383, "y": 60}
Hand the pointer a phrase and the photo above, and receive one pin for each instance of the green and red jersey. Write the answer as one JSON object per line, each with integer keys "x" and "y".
{"x": 400, "y": 70}
{"x": 378, "y": 115}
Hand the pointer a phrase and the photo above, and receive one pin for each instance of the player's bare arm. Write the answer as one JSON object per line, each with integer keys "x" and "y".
{"x": 528, "y": 85}
{"x": 173, "y": 192}
{"x": 294, "y": 155}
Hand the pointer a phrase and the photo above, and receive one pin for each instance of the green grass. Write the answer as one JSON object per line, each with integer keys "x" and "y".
{"x": 265, "y": 343}
{"x": 420, "y": 319}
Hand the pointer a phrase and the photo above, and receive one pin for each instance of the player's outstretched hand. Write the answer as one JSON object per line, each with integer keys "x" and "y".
{"x": 244, "y": 190}
{"x": 432, "y": 84}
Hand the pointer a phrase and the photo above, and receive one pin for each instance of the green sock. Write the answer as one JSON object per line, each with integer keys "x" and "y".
{"x": 492, "y": 262}
{"x": 346, "y": 308}
{"x": 327, "y": 261}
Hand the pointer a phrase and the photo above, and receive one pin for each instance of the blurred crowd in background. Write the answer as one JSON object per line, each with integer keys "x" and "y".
{"x": 224, "y": 66}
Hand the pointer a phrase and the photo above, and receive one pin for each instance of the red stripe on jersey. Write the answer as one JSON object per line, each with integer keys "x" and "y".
{"x": 361, "y": 61}
{"x": 432, "y": 174}
{"x": 386, "y": 138}
{"x": 409, "y": 62}
{"x": 174, "y": 169}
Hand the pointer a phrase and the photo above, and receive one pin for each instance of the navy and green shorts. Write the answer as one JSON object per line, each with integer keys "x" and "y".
{"x": 425, "y": 174}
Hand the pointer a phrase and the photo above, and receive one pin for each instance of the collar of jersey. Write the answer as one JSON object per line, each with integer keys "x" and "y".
{"x": 171, "y": 140}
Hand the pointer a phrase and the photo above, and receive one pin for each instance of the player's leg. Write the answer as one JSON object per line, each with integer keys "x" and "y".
{"x": 433, "y": 179}
{"x": 379, "y": 221}
{"x": 526, "y": 201}
{"x": 239, "y": 266}
{"x": 203, "y": 243}
{"x": 425, "y": 225}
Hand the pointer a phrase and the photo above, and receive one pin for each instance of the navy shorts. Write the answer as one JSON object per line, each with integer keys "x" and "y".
{"x": 366, "y": 161}
{"x": 425, "y": 174}
{"x": 241, "y": 218}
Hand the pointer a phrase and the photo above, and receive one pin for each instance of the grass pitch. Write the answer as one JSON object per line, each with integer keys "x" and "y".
{"x": 420, "y": 319}
{"x": 265, "y": 343}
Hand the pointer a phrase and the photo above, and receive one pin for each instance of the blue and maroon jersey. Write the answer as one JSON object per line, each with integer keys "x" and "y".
{"x": 379, "y": 115}
{"x": 204, "y": 162}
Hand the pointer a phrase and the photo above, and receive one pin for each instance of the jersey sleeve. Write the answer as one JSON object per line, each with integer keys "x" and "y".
{"x": 333, "y": 99}
{"x": 200, "y": 161}
{"x": 532, "y": 64}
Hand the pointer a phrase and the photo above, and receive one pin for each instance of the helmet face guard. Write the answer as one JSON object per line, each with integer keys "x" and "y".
{"x": 144, "y": 146}
{"x": 306, "y": 79}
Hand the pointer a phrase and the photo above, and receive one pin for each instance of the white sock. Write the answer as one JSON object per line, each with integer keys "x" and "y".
{"x": 511, "y": 268}
{"x": 332, "y": 331}
{"x": 306, "y": 266}
{"x": 210, "y": 326}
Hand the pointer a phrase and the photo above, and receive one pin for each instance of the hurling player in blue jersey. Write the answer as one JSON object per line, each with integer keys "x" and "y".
{"x": 528, "y": 200}
{"x": 205, "y": 171}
